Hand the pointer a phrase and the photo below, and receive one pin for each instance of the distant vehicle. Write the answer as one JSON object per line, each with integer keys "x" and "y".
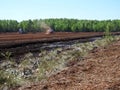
{"x": 49, "y": 31}
{"x": 20, "y": 31}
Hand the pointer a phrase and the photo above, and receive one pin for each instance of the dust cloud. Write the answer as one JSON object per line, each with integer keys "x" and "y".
{"x": 46, "y": 28}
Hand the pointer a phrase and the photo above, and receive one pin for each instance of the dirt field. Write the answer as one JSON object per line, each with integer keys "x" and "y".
{"x": 31, "y": 42}
{"x": 9, "y": 39}
{"x": 15, "y": 38}
{"x": 22, "y": 43}
{"x": 99, "y": 71}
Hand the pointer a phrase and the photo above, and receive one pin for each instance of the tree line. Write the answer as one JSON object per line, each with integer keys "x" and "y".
{"x": 60, "y": 25}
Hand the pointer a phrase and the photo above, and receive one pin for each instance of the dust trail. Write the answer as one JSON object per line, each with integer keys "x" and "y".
{"x": 46, "y": 28}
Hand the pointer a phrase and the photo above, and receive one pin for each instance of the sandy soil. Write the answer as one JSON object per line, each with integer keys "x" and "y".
{"x": 100, "y": 70}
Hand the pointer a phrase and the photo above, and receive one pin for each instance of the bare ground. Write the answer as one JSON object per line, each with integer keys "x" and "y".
{"x": 15, "y": 38}
{"x": 23, "y": 43}
{"x": 7, "y": 39}
{"x": 100, "y": 70}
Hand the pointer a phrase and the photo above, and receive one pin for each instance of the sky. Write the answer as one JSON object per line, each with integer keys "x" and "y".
{"x": 43, "y": 9}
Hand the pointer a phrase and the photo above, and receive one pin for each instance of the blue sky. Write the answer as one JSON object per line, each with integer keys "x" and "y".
{"x": 77, "y": 9}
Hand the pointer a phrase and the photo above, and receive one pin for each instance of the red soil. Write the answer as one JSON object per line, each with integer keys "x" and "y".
{"x": 23, "y": 43}
{"x": 14, "y": 38}
{"x": 99, "y": 71}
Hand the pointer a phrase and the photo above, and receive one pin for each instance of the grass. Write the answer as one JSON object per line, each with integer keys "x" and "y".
{"x": 8, "y": 80}
{"x": 7, "y": 55}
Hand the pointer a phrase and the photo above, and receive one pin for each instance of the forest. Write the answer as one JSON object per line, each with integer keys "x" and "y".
{"x": 60, "y": 25}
